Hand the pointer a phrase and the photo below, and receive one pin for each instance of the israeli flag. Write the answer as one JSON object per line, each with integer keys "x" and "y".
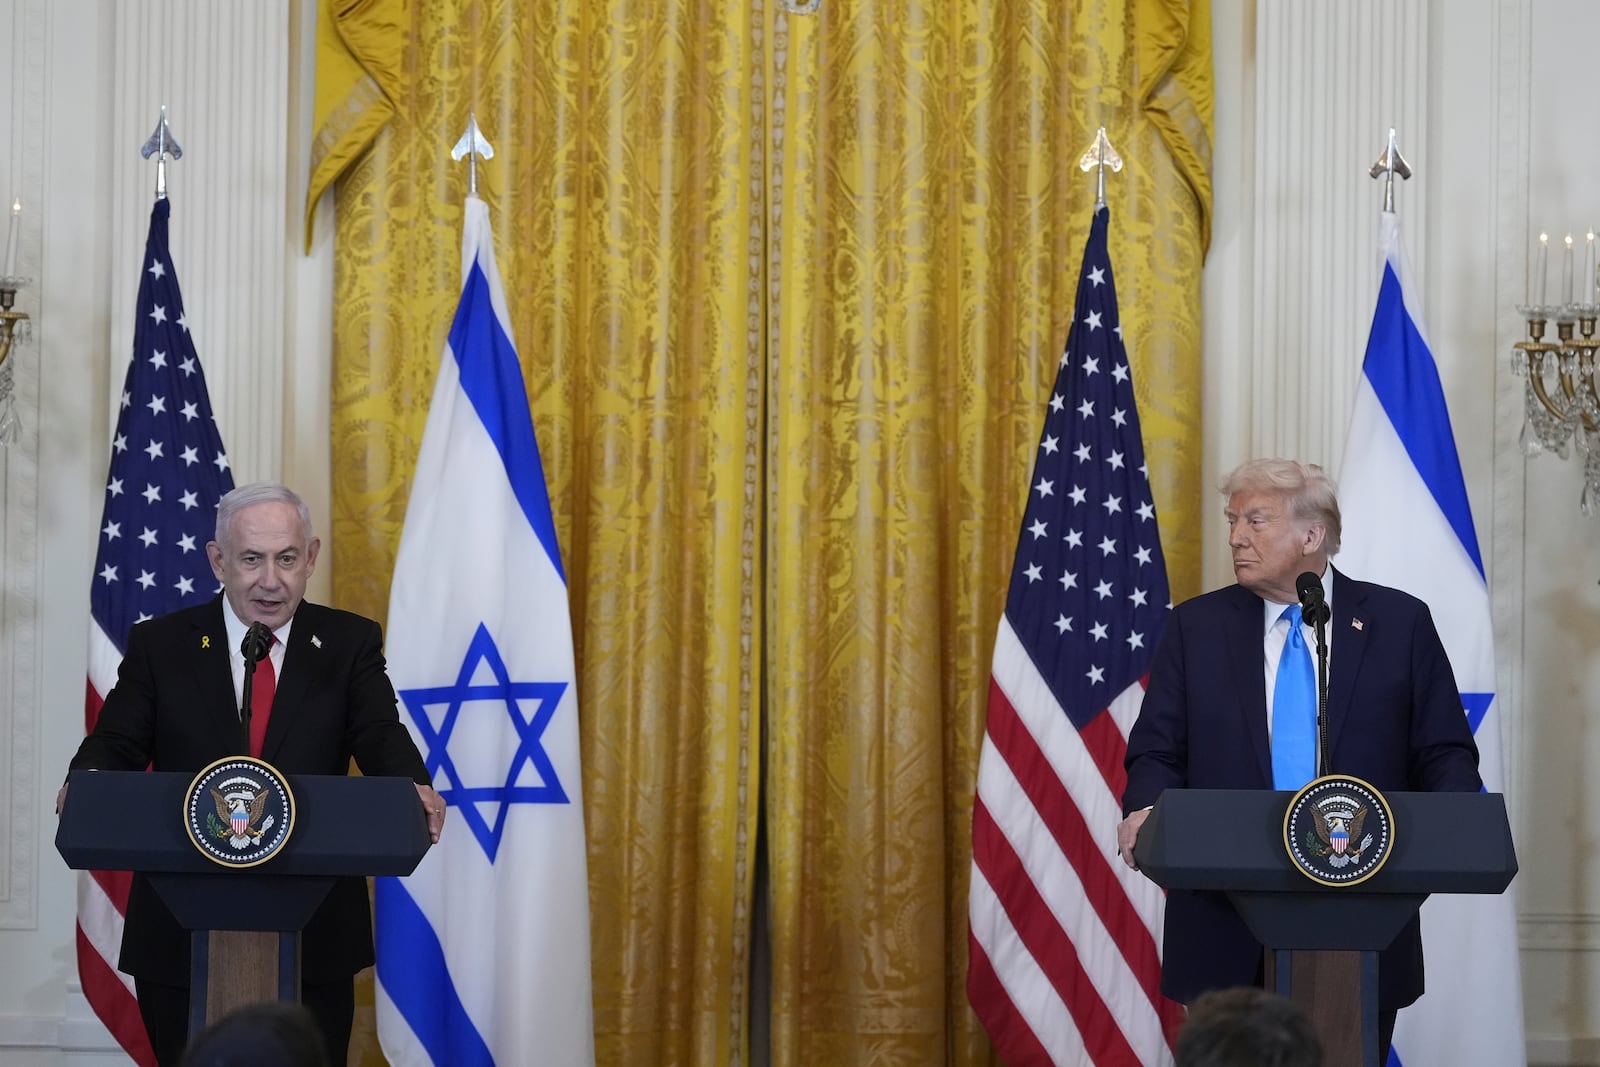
{"x": 483, "y": 952}
{"x": 1407, "y": 524}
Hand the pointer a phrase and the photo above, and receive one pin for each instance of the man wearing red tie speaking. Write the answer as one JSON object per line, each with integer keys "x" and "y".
{"x": 319, "y": 697}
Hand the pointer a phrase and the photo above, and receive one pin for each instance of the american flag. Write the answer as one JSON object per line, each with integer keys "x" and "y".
{"x": 168, "y": 470}
{"x": 1064, "y": 940}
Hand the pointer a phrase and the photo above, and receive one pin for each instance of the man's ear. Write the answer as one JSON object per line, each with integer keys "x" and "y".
{"x": 1315, "y": 534}
{"x": 214, "y": 554}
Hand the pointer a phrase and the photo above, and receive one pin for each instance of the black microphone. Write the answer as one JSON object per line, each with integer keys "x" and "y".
{"x": 1314, "y": 609}
{"x": 258, "y": 639}
{"x": 257, "y": 642}
{"x": 1312, "y": 605}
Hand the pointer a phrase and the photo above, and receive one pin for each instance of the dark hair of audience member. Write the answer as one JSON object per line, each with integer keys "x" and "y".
{"x": 260, "y": 1035}
{"x": 1247, "y": 1027}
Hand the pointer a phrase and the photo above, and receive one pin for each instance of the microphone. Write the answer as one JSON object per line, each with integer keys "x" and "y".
{"x": 1312, "y": 605}
{"x": 1314, "y": 609}
{"x": 257, "y": 642}
{"x": 258, "y": 639}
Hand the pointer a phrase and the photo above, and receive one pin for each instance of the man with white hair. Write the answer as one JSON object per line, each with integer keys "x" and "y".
{"x": 174, "y": 708}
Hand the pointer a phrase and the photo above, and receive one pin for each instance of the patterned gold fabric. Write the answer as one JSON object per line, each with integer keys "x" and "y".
{"x": 925, "y": 260}
{"x": 358, "y": 77}
{"x": 789, "y": 292}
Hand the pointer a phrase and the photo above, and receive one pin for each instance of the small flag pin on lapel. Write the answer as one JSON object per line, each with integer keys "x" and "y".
{"x": 1358, "y": 624}
{"x": 316, "y": 641}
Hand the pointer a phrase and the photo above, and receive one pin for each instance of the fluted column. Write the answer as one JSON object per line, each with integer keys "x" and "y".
{"x": 22, "y": 133}
{"x": 222, "y": 69}
{"x": 1331, "y": 79}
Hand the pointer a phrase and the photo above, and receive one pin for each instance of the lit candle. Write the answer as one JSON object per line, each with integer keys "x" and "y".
{"x": 1566, "y": 273}
{"x": 1544, "y": 263}
{"x": 1588, "y": 270}
{"x": 11, "y": 239}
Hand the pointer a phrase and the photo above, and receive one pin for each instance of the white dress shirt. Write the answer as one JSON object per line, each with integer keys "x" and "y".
{"x": 236, "y": 630}
{"x": 1275, "y": 632}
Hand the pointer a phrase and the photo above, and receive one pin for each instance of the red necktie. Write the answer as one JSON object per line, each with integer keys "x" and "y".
{"x": 263, "y": 683}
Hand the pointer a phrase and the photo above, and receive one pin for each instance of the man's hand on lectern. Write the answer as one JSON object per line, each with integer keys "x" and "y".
{"x": 432, "y": 803}
{"x": 61, "y": 799}
{"x": 1128, "y": 836}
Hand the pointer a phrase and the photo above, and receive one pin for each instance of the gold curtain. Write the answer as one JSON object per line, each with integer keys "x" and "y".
{"x": 926, "y": 253}
{"x": 623, "y": 215}
{"x": 789, "y": 291}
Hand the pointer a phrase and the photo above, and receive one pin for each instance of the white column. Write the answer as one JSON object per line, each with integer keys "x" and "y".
{"x": 223, "y": 72}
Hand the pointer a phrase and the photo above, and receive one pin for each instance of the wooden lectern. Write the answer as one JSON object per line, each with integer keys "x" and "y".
{"x": 246, "y": 923}
{"x": 1323, "y": 941}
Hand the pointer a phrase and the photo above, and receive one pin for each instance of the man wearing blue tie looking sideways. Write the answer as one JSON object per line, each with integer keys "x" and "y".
{"x": 1232, "y": 704}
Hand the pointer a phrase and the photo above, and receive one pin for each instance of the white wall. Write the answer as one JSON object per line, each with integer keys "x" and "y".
{"x": 87, "y": 81}
{"x": 1494, "y": 108}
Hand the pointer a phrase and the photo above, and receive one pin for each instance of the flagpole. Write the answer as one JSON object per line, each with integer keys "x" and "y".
{"x": 161, "y": 145}
{"x": 1389, "y": 164}
{"x": 472, "y": 145}
{"x": 1097, "y": 157}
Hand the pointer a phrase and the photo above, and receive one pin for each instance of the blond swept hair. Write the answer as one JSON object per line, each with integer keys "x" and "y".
{"x": 1306, "y": 489}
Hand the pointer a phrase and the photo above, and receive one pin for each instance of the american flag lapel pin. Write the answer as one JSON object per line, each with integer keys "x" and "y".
{"x": 316, "y": 642}
{"x": 1358, "y": 624}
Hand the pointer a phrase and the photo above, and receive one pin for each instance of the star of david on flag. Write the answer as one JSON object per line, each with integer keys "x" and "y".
{"x": 1401, "y": 471}
{"x": 483, "y": 952}
{"x": 496, "y": 695}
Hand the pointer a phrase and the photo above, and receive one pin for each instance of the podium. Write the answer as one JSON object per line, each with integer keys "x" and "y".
{"x": 245, "y": 923}
{"x": 1323, "y": 942}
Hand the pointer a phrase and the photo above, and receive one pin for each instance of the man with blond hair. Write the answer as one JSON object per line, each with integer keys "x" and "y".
{"x": 1219, "y": 713}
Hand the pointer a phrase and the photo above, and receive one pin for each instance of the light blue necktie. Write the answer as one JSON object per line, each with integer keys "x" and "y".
{"x": 1294, "y": 710}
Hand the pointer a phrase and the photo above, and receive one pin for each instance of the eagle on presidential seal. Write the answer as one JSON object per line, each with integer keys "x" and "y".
{"x": 237, "y": 815}
{"x": 1337, "y": 821}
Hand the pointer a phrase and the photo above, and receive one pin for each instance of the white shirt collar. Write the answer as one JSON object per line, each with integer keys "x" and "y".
{"x": 1272, "y": 609}
{"x": 236, "y": 629}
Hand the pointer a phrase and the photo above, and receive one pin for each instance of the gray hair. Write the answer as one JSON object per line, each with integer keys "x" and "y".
{"x": 236, "y": 500}
{"x": 1306, "y": 489}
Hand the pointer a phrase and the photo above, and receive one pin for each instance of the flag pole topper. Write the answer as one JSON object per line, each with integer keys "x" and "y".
{"x": 472, "y": 145}
{"x": 1389, "y": 164}
{"x": 161, "y": 145}
{"x": 1097, "y": 157}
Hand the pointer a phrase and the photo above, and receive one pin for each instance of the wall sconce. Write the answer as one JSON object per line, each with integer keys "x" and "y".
{"x": 10, "y": 425}
{"x": 10, "y": 318}
{"x": 1560, "y": 403}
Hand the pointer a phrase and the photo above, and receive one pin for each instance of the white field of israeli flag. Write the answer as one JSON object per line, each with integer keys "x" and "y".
{"x": 483, "y": 952}
{"x": 1407, "y": 524}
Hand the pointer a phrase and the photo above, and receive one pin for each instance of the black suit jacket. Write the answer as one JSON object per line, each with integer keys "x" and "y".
{"x": 1395, "y": 719}
{"x": 173, "y": 709}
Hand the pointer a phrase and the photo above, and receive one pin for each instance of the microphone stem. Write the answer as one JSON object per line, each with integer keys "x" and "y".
{"x": 244, "y": 704}
{"x": 1322, "y": 697}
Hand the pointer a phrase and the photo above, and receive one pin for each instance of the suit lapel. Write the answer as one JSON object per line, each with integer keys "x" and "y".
{"x": 213, "y": 677}
{"x": 1245, "y": 645}
{"x": 300, "y": 667}
{"x": 1347, "y": 645}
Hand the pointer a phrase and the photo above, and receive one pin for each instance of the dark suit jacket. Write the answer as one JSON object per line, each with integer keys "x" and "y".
{"x": 1395, "y": 719}
{"x": 173, "y": 709}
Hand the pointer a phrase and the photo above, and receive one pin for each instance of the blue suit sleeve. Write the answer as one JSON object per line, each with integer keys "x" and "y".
{"x": 1443, "y": 755}
{"x": 1158, "y": 745}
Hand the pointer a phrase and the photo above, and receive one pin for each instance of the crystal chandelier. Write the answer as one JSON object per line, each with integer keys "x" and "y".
{"x": 1559, "y": 401}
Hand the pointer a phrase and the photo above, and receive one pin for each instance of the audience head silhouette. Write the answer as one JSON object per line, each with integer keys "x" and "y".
{"x": 260, "y": 1035}
{"x": 1247, "y": 1027}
